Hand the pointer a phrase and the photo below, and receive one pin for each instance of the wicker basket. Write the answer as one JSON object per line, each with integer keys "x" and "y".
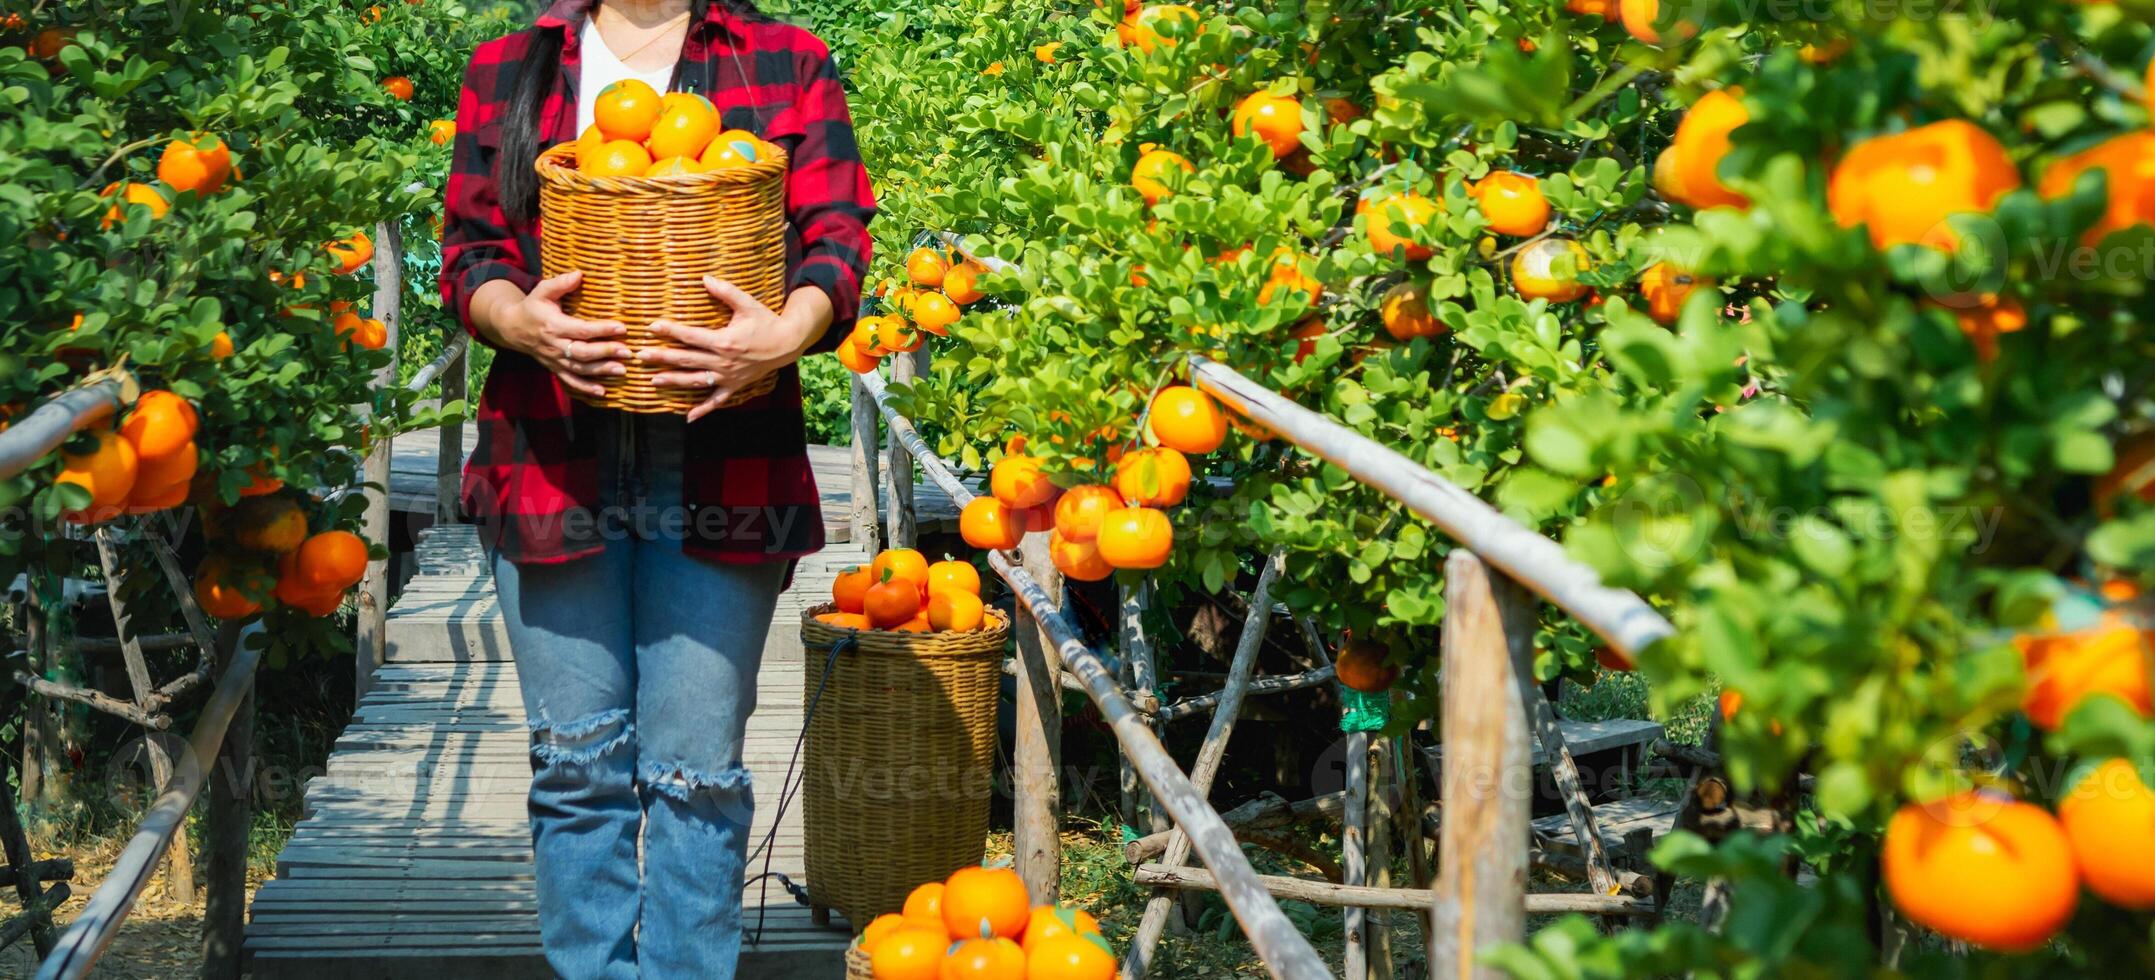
{"x": 857, "y": 965}
{"x": 644, "y": 245}
{"x": 898, "y": 771}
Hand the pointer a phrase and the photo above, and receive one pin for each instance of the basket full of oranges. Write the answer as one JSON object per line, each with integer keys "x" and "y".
{"x": 652, "y": 198}
{"x": 900, "y": 755}
{"x": 980, "y": 925}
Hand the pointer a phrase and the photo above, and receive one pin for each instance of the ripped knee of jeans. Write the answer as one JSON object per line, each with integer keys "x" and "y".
{"x": 582, "y": 741}
{"x": 683, "y": 782}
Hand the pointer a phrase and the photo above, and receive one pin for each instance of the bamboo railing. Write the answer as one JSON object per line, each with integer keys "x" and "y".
{"x": 1479, "y": 897}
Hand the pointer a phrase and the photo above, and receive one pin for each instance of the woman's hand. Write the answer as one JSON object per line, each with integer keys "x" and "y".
{"x": 755, "y": 344}
{"x": 577, "y": 351}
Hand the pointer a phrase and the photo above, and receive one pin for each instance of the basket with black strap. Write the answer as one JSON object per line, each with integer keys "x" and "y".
{"x": 644, "y": 245}
{"x": 899, "y": 767}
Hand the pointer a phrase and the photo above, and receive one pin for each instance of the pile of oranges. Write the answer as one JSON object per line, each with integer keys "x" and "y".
{"x": 981, "y": 925}
{"x": 900, "y": 590}
{"x": 145, "y": 466}
{"x": 939, "y": 285}
{"x": 636, "y": 132}
{"x": 1096, "y": 528}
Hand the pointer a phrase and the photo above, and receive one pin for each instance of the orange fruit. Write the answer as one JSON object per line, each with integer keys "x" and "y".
{"x": 985, "y": 959}
{"x": 918, "y": 624}
{"x": 962, "y": 283}
{"x": 951, "y": 574}
{"x": 674, "y": 167}
{"x": 909, "y": 953}
{"x": 1079, "y": 957}
{"x": 955, "y": 611}
{"x": 201, "y": 164}
{"x": 1287, "y": 275}
{"x": 855, "y": 360}
{"x": 1149, "y": 175}
{"x": 985, "y": 902}
{"x": 935, "y": 312}
{"x": 1361, "y": 666}
{"x": 1045, "y": 53}
{"x": 1078, "y": 559}
{"x": 1990, "y": 316}
{"x": 1641, "y": 18}
{"x": 441, "y": 132}
{"x": 1018, "y": 482}
{"x": 1153, "y": 477}
{"x": 149, "y": 500}
{"x": 1275, "y": 119}
{"x": 221, "y": 345}
{"x": 1307, "y": 333}
{"x": 1136, "y": 537}
{"x": 1549, "y": 269}
{"x": 217, "y": 595}
{"x": 845, "y": 620}
{"x": 1604, "y": 9}
{"x": 926, "y": 267}
{"x": 260, "y": 482}
{"x": 1079, "y": 512}
{"x": 904, "y": 563}
{"x": 883, "y": 926}
{"x": 1512, "y": 203}
{"x": 1054, "y": 921}
{"x": 1405, "y": 312}
{"x": 2109, "y": 819}
{"x": 850, "y": 589}
{"x": 1982, "y": 868}
{"x": 686, "y": 124}
{"x": 733, "y": 149}
{"x": 372, "y": 334}
{"x": 160, "y": 424}
{"x": 896, "y": 336}
{"x": 134, "y": 193}
{"x": 925, "y": 902}
{"x": 272, "y": 524}
{"x": 351, "y": 253}
{"x": 294, "y": 591}
{"x": 108, "y": 471}
{"x": 988, "y": 524}
{"x": 588, "y": 146}
{"x": 1147, "y": 25}
{"x": 2064, "y": 669}
{"x": 627, "y": 110}
{"x": 1665, "y": 287}
{"x": 47, "y": 43}
{"x": 398, "y": 87}
{"x": 891, "y": 602}
{"x": 619, "y": 158}
{"x": 158, "y": 473}
{"x": 332, "y": 561}
{"x": 1187, "y": 420}
{"x": 2126, "y": 160}
{"x": 1693, "y": 159}
{"x": 1408, "y": 209}
{"x": 1903, "y": 187}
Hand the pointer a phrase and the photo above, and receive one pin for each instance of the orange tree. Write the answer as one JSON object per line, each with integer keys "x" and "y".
{"x": 1824, "y": 333}
{"x": 188, "y": 188}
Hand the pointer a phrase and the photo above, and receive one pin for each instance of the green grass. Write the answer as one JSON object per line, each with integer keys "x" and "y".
{"x": 1623, "y": 694}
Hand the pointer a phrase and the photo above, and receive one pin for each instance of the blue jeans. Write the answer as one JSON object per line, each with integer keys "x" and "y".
{"x": 638, "y": 668}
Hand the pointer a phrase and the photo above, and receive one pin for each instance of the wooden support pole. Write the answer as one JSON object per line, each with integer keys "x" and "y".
{"x": 231, "y": 815}
{"x": 865, "y": 466}
{"x": 1408, "y": 899}
{"x": 449, "y": 457}
{"x": 1144, "y": 676}
{"x": 1138, "y": 960}
{"x": 903, "y": 522}
{"x": 1354, "y": 855}
{"x": 41, "y": 737}
{"x": 372, "y": 647}
{"x": 180, "y": 866}
{"x": 1480, "y": 898}
{"x": 15, "y": 846}
{"x": 1379, "y": 874}
{"x": 1036, "y": 831}
{"x": 1565, "y": 772}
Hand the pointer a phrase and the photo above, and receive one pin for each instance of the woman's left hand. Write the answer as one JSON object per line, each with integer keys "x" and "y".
{"x": 726, "y": 360}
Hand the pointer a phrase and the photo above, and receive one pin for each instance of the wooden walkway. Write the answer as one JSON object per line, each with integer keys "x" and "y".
{"x": 414, "y": 857}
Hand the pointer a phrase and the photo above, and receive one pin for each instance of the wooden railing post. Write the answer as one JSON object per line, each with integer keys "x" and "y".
{"x": 231, "y": 816}
{"x": 865, "y": 465}
{"x": 372, "y": 647}
{"x": 1037, "y": 758}
{"x": 449, "y": 459}
{"x": 1487, "y": 780}
{"x": 903, "y": 523}
{"x": 1354, "y": 857}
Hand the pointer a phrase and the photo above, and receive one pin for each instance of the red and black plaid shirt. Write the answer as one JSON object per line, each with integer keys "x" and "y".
{"x": 533, "y": 483}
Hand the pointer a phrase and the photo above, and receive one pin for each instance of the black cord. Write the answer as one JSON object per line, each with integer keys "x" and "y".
{"x": 788, "y": 789}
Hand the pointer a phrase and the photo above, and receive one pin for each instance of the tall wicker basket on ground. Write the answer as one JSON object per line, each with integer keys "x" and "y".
{"x": 644, "y": 245}
{"x": 900, "y": 761}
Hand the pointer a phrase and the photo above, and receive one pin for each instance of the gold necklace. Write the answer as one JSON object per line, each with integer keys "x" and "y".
{"x": 665, "y": 31}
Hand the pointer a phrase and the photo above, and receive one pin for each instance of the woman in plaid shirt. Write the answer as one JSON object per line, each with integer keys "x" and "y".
{"x": 638, "y": 559}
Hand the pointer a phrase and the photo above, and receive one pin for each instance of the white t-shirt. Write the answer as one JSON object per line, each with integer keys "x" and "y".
{"x": 601, "y": 68}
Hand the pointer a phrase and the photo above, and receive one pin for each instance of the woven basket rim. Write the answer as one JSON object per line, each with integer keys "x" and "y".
{"x": 993, "y": 631}
{"x": 554, "y": 168}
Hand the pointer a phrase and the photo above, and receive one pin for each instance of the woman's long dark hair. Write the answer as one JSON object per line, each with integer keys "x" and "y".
{"x": 514, "y": 179}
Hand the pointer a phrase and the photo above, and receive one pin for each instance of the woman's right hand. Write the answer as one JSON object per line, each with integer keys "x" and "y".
{"x": 577, "y": 351}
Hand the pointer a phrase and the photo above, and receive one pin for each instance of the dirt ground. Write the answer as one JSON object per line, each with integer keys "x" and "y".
{"x": 162, "y": 939}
